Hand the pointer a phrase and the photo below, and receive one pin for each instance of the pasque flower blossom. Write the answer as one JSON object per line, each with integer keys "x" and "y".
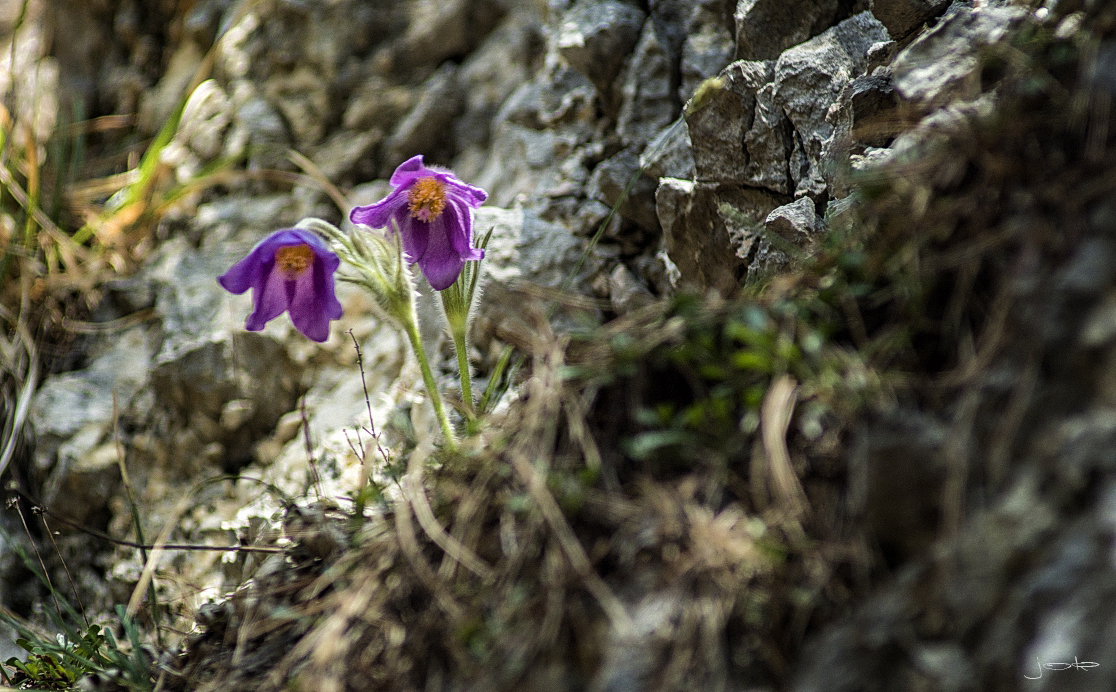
{"x": 288, "y": 271}
{"x": 432, "y": 210}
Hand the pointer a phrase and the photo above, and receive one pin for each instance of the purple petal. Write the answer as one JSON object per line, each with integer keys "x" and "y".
{"x": 251, "y": 271}
{"x": 315, "y": 241}
{"x": 270, "y": 300}
{"x": 241, "y": 276}
{"x": 459, "y": 228}
{"x": 325, "y": 258}
{"x": 442, "y": 263}
{"x": 416, "y": 237}
{"x": 379, "y": 215}
{"x": 441, "y": 246}
{"x": 409, "y": 170}
{"x": 325, "y": 288}
{"x": 473, "y": 196}
{"x": 310, "y": 306}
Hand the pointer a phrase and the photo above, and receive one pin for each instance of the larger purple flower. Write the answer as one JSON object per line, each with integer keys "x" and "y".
{"x": 290, "y": 270}
{"x": 433, "y": 211}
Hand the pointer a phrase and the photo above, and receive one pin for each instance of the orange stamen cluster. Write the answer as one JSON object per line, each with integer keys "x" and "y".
{"x": 427, "y": 199}
{"x": 294, "y": 260}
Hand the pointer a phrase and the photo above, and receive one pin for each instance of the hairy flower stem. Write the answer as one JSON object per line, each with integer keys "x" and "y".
{"x": 461, "y": 346}
{"x": 411, "y": 328}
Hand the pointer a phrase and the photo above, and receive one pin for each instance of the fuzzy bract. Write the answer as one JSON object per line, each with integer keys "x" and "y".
{"x": 433, "y": 211}
{"x": 288, "y": 271}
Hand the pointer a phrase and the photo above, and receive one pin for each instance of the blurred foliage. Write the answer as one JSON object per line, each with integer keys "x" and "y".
{"x": 58, "y": 661}
{"x": 75, "y": 654}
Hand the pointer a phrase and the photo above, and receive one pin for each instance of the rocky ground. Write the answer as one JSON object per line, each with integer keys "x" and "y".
{"x": 811, "y": 311}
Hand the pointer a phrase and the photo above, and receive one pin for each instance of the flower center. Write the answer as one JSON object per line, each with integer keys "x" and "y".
{"x": 294, "y": 260}
{"x": 427, "y": 198}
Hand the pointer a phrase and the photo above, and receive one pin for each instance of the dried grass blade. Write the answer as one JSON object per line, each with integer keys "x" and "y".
{"x": 775, "y": 417}
{"x": 411, "y": 485}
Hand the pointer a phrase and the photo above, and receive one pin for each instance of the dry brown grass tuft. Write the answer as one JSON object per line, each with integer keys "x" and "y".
{"x": 541, "y": 557}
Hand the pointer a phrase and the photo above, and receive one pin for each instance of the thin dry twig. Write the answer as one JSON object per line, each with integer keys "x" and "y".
{"x": 65, "y": 567}
{"x": 579, "y": 431}
{"x": 371, "y": 422}
{"x": 38, "y": 555}
{"x": 146, "y": 546}
{"x": 156, "y": 552}
{"x": 545, "y": 390}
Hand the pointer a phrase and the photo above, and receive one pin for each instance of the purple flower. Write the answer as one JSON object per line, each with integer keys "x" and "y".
{"x": 289, "y": 270}
{"x": 433, "y": 211}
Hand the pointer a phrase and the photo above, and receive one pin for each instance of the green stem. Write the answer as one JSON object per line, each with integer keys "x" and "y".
{"x": 428, "y": 378}
{"x": 462, "y": 348}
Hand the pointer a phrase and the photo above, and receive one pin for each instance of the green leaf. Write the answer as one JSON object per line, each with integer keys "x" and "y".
{"x": 643, "y": 445}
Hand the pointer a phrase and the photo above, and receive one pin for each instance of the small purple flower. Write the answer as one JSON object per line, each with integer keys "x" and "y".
{"x": 290, "y": 270}
{"x": 433, "y": 211}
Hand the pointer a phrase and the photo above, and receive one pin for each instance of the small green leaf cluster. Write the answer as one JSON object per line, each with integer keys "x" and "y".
{"x": 694, "y": 391}
{"x": 74, "y": 654}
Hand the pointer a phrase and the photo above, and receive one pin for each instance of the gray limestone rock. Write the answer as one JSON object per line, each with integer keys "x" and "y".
{"x": 865, "y": 107}
{"x": 648, "y": 88}
{"x": 797, "y": 222}
{"x": 69, "y": 402}
{"x": 657, "y": 270}
{"x": 441, "y": 29}
{"x": 429, "y": 124}
{"x": 526, "y": 247}
{"x": 619, "y": 174}
{"x": 743, "y": 211}
{"x": 931, "y": 137}
{"x": 709, "y": 231}
{"x": 552, "y": 98}
{"x": 377, "y": 103}
{"x": 769, "y": 144}
{"x": 694, "y": 243}
{"x": 808, "y": 80}
{"x": 708, "y": 46}
{"x": 172, "y": 378}
{"x": 73, "y": 416}
{"x": 348, "y": 152}
{"x": 596, "y": 37}
{"x": 259, "y": 129}
{"x": 880, "y": 55}
{"x": 718, "y": 117}
{"x": 507, "y": 59}
{"x": 943, "y": 65}
{"x": 902, "y": 17}
{"x": 207, "y": 359}
{"x": 519, "y": 164}
{"x": 669, "y": 154}
{"x": 537, "y": 153}
{"x": 863, "y": 117}
{"x": 303, "y": 97}
{"x": 765, "y": 28}
{"x": 625, "y": 292}
{"x": 525, "y": 255}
